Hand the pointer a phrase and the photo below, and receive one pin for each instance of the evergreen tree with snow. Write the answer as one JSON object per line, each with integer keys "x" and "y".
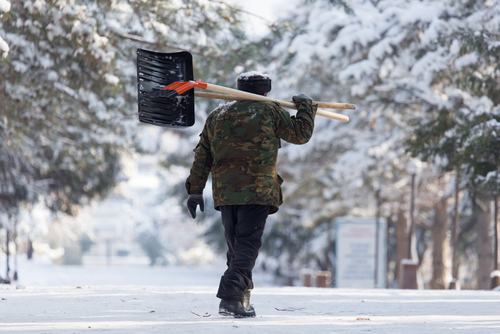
{"x": 406, "y": 65}
{"x": 68, "y": 88}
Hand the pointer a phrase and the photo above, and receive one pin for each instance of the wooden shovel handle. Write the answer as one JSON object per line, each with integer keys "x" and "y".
{"x": 286, "y": 104}
{"x": 328, "y": 105}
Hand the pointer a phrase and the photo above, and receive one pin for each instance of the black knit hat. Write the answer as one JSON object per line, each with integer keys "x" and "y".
{"x": 253, "y": 82}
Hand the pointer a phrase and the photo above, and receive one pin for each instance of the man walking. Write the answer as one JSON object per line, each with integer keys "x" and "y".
{"x": 239, "y": 146}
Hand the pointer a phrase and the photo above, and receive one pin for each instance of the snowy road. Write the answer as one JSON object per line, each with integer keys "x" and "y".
{"x": 193, "y": 309}
{"x": 179, "y": 299}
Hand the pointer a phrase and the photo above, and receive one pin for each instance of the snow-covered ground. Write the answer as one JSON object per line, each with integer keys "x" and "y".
{"x": 142, "y": 299}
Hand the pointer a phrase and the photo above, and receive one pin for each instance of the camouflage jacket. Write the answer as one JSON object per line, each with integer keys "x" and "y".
{"x": 239, "y": 145}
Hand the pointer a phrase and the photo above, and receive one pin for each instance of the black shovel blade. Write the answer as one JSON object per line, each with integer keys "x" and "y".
{"x": 156, "y": 70}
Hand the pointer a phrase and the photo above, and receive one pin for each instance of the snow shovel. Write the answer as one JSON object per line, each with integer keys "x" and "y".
{"x": 166, "y": 78}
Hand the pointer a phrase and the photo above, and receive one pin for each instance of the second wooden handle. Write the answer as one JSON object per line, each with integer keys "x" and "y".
{"x": 328, "y": 105}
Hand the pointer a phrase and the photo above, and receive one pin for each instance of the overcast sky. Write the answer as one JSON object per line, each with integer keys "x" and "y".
{"x": 266, "y": 9}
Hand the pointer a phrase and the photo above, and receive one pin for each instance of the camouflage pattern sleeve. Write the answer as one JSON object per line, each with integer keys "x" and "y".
{"x": 295, "y": 129}
{"x": 202, "y": 165}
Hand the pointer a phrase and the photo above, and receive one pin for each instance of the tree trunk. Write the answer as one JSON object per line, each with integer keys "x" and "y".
{"x": 456, "y": 221}
{"x": 496, "y": 228}
{"x": 441, "y": 246}
{"x": 495, "y": 280}
{"x": 484, "y": 244}
{"x": 7, "y": 255}
{"x": 29, "y": 251}
{"x": 402, "y": 233}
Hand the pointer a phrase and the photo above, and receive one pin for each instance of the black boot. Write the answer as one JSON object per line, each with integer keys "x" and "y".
{"x": 236, "y": 308}
{"x": 246, "y": 301}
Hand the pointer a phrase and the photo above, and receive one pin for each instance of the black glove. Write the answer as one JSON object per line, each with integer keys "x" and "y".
{"x": 301, "y": 98}
{"x": 192, "y": 202}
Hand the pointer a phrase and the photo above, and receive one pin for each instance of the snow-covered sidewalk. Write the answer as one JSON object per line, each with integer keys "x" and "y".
{"x": 193, "y": 309}
{"x": 174, "y": 300}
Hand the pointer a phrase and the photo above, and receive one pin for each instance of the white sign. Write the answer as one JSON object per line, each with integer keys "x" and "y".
{"x": 355, "y": 253}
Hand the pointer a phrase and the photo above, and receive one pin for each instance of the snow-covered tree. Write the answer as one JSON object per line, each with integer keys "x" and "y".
{"x": 68, "y": 88}
{"x": 4, "y": 47}
{"x": 398, "y": 61}
{"x": 63, "y": 111}
{"x": 69, "y": 85}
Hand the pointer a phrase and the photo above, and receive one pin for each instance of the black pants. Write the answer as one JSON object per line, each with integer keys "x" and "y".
{"x": 243, "y": 228}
